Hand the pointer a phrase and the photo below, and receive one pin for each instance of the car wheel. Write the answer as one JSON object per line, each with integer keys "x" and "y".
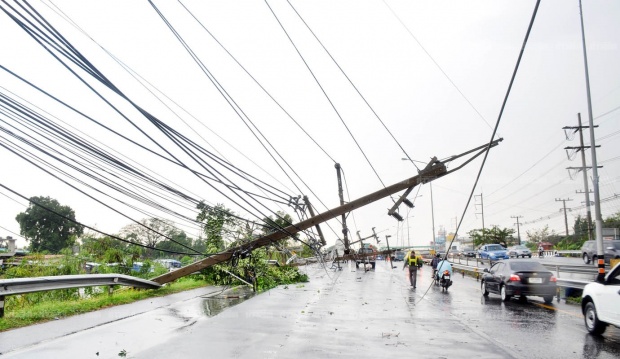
{"x": 586, "y": 260}
{"x": 505, "y": 297}
{"x": 530, "y": 256}
{"x": 548, "y": 299}
{"x": 593, "y": 325}
{"x": 483, "y": 287}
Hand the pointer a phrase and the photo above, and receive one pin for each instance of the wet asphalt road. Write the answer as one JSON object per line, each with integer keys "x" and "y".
{"x": 348, "y": 313}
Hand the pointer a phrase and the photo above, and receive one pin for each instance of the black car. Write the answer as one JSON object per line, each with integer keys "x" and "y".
{"x": 519, "y": 277}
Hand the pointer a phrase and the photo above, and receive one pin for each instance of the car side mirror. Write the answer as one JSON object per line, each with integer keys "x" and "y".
{"x": 486, "y": 270}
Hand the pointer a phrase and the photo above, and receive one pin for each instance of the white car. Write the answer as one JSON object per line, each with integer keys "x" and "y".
{"x": 600, "y": 302}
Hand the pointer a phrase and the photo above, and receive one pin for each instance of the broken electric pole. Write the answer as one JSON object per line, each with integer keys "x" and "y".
{"x": 433, "y": 171}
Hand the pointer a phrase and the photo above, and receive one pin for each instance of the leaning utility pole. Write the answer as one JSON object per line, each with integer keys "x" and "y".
{"x": 433, "y": 171}
{"x": 345, "y": 230}
{"x": 597, "y": 202}
{"x": 518, "y": 229}
{"x": 565, "y": 216}
{"x": 318, "y": 228}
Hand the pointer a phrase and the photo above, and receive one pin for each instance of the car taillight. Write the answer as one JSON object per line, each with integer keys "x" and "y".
{"x": 553, "y": 279}
{"x": 514, "y": 278}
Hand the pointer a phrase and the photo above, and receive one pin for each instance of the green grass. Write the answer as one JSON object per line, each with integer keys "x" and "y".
{"x": 51, "y": 310}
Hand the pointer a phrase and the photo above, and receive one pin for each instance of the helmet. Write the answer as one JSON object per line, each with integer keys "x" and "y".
{"x": 438, "y": 255}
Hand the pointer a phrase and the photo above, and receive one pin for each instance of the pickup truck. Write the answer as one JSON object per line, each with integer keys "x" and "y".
{"x": 368, "y": 255}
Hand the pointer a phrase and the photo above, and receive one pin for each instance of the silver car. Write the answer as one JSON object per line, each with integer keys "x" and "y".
{"x": 519, "y": 251}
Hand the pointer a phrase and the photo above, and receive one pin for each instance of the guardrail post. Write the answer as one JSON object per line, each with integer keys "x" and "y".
{"x": 110, "y": 289}
{"x": 1, "y": 306}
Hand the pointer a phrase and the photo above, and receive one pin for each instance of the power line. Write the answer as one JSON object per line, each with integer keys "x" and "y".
{"x": 325, "y": 93}
{"x": 351, "y": 82}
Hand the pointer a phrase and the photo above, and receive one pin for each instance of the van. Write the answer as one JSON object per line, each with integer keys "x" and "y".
{"x": 611, "y": 249}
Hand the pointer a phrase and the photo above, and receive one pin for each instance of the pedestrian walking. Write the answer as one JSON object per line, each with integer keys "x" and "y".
{"x": 412, "y": 261}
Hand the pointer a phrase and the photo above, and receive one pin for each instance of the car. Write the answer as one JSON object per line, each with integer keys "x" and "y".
{"x": 468, "y": 253}
{"x": 493, "y": 252}
{"x": 519, "y": 251}
{"x": 599, "y": 303}
{"x": 399, "y": 256}
{"x": 611, "y": 249}
{"x": 523, "y": 277}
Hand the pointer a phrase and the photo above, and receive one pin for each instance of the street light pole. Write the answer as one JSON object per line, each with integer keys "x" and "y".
{"x": 595, "y": 179}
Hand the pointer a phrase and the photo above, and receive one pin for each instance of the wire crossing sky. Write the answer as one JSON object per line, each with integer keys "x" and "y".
{"x": 126, "y": 110}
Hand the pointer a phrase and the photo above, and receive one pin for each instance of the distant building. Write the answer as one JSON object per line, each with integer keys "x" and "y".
{"x": 7, "y": 246}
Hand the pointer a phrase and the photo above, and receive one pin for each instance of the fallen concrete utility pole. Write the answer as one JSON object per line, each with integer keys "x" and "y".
{"x": 433, "y": 171}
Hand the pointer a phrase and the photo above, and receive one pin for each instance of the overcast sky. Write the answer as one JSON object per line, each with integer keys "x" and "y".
{"x": 318, "y": 82}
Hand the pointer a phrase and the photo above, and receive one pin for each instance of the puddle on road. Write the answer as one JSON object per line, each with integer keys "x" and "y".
{"x": 216, "y": 304}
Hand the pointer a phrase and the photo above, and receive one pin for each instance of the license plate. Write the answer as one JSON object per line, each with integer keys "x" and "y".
{"x": 535, "y": 280}
{"x": 446, "y": 277}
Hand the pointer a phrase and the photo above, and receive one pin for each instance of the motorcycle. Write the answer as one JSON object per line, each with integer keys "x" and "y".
{"x": 443, "y": 275}
{"x": 444, "y": 280}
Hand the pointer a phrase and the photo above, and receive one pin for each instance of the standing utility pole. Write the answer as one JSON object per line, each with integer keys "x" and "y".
{"x": 565, "y": 217}
{"x": 518, "y": 229}
{"x": 584, "y": 170}
{"x": 597, "y": 202}
{"x": 345, "y": 230}
{"x": 482, "y": 212}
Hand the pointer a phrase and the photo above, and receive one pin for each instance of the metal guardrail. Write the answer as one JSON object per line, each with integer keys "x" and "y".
{"x": 16, "y": 286}
{"x": 39, "y": 284}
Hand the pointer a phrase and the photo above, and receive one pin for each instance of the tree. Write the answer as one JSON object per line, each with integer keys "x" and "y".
{"x": 281, "y": 221}
{"x": 581, "y": 226}
{"x": 612, "y": 221}
{"x": 48, "y": 225}
{"x": 220, "y": 226}
{"x": 149, "y": 232}
{"x": 494, "y": 234}
{"x": 179, "y": 243}
{"x": 540, "y": 235}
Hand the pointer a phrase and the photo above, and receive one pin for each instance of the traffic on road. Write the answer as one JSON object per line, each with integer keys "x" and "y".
{"x": 349, "y": 312}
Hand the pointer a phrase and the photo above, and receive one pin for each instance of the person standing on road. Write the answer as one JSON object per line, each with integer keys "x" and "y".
{"x": 434, "y": 263}
{"x": 412, "y": 261}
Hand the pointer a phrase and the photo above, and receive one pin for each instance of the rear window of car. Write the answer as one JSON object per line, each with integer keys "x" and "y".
{"x": 527, "y": 266}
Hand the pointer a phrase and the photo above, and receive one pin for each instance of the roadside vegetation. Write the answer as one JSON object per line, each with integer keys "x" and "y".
{"x": 506, "y": 236}
{"x": 61, "y": 246}
{"x": 33, "y": 308}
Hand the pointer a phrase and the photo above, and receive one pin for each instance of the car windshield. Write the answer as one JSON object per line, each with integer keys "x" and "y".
{"x": 520, "y": 247}
{"x": 495, "y": 248}
{"x": 616, "y": 244}
{"x": 527, "y": 266}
